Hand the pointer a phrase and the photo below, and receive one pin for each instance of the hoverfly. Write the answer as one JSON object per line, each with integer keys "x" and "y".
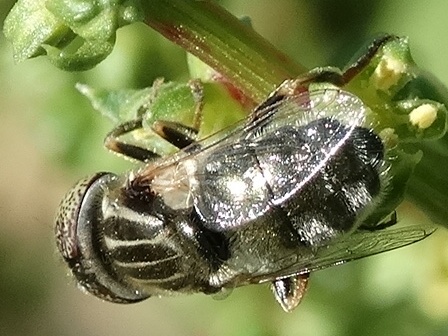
{"x": 283, "y": 193}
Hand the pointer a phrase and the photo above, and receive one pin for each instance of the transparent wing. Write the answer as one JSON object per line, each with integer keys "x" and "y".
{"x": 273, "y": 157}
{"x": 356, "y": 246}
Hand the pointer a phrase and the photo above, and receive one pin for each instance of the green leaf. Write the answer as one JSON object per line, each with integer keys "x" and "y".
{"x": 169, "y": 101}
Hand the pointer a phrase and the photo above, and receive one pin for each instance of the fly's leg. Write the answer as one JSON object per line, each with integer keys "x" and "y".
{"x": 382, "y": 225}
{"x": 177, "y": 134}
{"x": 138, "y": 153}
{"x": 292, "y": 87}
{"x": 290, "y": 291}
{"x": 135, "y": 152}
{"x": 197, "y": 91}
{"x": 155, "y": 88}
{"x": 356, "y": 67}
{"x": 329, "y": 74}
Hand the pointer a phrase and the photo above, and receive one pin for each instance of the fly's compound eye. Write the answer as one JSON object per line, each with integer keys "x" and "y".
{"x": 77, "y": 228}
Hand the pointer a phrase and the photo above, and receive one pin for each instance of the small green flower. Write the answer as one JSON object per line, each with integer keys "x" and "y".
{"x": 75, "y": 35}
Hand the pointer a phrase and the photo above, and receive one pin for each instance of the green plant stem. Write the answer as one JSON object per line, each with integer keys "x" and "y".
{"x": 428, "y": 186}
{"x": 223, "y": 42}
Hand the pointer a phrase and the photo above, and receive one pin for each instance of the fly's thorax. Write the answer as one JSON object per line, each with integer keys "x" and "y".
{"x": 153, "y": 237}
{"x": 146, "y": 244}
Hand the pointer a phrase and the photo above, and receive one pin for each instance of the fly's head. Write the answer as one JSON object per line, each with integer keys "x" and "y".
{"x": 79, "y": 223}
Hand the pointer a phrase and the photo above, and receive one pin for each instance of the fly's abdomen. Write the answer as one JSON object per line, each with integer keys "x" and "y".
{"x": 336, "y": 174}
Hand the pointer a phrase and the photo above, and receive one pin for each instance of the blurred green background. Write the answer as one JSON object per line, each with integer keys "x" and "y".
{"x": 50, "y": 137}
